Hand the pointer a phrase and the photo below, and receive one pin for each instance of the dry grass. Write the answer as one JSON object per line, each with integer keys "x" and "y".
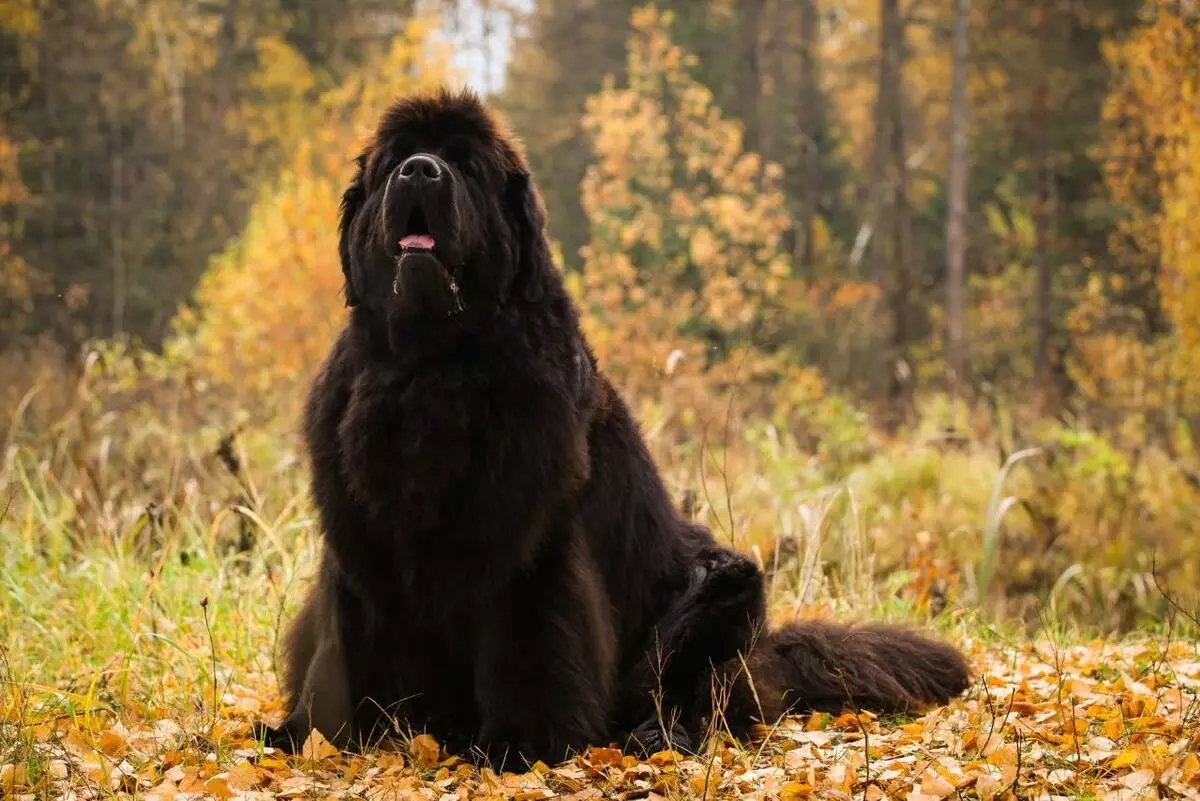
{"x": 154, "y": 534}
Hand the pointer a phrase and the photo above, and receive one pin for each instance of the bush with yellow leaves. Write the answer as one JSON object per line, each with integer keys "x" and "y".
{"x": 687, "y": 287}
{"x": 684, "y": 263}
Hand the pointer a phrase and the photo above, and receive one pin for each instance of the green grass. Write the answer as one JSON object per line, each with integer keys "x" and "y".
{"x": 155, "y": 618}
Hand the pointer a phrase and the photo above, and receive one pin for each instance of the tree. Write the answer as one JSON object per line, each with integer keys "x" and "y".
{"x": 562, "y": 56}
{"x": 956, "y": 223}
{"x": 145, "y": 129}
{"x": 1043, "y": 217}
{"x": 901, "y": 370}
{"x": 810, "y": 100}
{"x": 749, "y": 72}
{"x": 1146, "y": 313}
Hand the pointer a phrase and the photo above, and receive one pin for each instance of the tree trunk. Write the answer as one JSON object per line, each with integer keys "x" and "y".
{"x": 750, "y": 72}
{"x": 1042, "y": 200}
{"x": 870, "y": 239}
{"x": 809, "y": 99}
{"x": 878, "y": 191}
{"x": 900, "y": 372}
{"x": 956, "y": 219}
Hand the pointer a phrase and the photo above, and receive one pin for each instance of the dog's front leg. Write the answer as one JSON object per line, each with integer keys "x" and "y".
{"x": 544, "y": 677}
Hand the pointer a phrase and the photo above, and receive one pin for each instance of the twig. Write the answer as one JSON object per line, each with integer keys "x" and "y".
{"x": 1014, "y": 788}
{"x": 866, "y": 753}
{"x": 212, "y": 645}
{"x": 1170, "y": 597}
{"x": 12, "y": 496}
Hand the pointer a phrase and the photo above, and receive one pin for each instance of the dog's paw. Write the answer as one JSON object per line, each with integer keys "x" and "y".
{"x": 650, "y": 738}
{"x": 727, "y": 579}
{"x": 272, "y": 737}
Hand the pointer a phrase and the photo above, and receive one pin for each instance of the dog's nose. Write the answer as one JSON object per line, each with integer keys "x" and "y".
{"x": 420, "y": 168}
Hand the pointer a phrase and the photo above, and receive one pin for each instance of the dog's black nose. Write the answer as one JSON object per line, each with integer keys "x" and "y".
{"x": 420, "y": 169}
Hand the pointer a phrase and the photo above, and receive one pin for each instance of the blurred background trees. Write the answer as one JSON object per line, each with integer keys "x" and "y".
{"x": 842, "y": 225}
{"x": 137, "y": 136}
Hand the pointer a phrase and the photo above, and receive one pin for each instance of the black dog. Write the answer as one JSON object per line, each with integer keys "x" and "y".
{"x": 503, "y": 566}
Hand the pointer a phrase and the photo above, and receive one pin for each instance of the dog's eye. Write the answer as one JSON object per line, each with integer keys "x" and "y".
{"x": 468, "y": 168}
{"x": 383, "y": 167}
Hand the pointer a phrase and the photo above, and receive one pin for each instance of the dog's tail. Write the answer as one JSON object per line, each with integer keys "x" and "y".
{"x": 818, "y": 665}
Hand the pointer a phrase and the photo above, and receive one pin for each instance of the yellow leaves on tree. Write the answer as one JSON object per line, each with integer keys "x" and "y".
{"x": 284, "y": 83}
{"x": 269, "y": 306}
{"x": 19, "y": 282}
{"x": 685, "y": 267}
{"x": 1151, "y": 157}
{"x": 18, "y": 16}
{"x": 1158, "y": 91}
{"x": 1155, "y": 114}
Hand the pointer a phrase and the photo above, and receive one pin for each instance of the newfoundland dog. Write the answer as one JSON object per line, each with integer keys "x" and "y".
{"x": 502, "y": 565}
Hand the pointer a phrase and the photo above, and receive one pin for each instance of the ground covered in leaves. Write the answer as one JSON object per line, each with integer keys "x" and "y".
{"x": 1104, "y": 721}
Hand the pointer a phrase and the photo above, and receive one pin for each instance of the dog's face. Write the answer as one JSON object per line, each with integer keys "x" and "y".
{"x": 442, "y": 219}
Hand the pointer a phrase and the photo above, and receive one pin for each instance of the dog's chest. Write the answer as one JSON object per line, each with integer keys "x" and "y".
{"x": 415, "y": 450}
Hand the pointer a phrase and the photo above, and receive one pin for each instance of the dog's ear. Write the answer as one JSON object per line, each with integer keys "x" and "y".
{"x": 533, "y": 254}
{"x": 352, "y": 200}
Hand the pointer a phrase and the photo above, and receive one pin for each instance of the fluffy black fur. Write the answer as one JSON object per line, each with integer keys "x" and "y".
{"x": 503, "y": 566}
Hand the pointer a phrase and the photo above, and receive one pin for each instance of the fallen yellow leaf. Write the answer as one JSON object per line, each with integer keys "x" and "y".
{"x": 605, "y": 756}
{"x": 794, "y": 790}
{"x": 12, "y": 777}
{"x": 425, "y": 751}
{"x": 112, "y": 744}
{"x": 664, "y": 758}
{"x": 988, "y": 787}
{"x": 916, "y": 795}
{"x": 936, "y": 785}
{"x": 1061, "y": 776}
{"x": 316, "y": 747}
{"x": 1126, "y": 758}
{"x": 165, "y": 791}
{"x": 218, "y": 787}
{"x": 1189, "y": 769}
{"x": 244, "y": 776}
{"x": 1139, "y": 780}
{"x": 875, "y": 794}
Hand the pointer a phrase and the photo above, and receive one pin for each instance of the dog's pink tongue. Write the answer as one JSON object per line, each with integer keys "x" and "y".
{"x": 423, "y": 241}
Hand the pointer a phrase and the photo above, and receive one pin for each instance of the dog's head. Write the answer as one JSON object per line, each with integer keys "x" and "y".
{"x": 442, "y": 218}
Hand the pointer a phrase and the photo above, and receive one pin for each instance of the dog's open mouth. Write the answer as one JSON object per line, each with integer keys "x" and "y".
{"x": 418, "y": 240}
{"x": 416, "y": 234}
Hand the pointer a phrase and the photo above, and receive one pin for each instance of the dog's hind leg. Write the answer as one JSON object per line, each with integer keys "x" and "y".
{"x": 716, "y": 618}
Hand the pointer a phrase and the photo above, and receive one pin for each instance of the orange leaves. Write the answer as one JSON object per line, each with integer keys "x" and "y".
{"x": 316, "y": 748}
{"x": 425, "y": 751}
{"x": 1040, "y": 730}
{"x": 1152, "y": 165}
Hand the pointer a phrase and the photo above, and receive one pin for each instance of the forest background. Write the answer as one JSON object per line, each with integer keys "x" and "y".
{"x": 906, "y": 294}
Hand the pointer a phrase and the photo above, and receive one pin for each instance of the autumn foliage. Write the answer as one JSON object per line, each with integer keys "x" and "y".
{"x": 688, "y": 288}
{"x": 20, "y": 283}
{"x": 751, "y": 358}
{"x": 1151, "y": 157}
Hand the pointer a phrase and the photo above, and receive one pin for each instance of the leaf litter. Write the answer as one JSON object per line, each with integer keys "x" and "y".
{"x": 1096, "y": 721}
